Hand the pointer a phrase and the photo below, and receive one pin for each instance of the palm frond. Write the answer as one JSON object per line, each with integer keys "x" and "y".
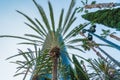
{"x": 99, "y": 44}
{"x": 20, "y": 65}
{"x": 43, "y": 15}
{"x": 51, "y": 16}
{"x": 20, "y": 54}
{"x": 76, "y": 41}
{"x": 72, "y": 73}
{"x": 87, "y": 60}
{"x": 70, "y": 22}
{"x": 26, "y": 73}
{"x": 36, "y": 30}
{"x": 74, "y": 48}
{"x": 75, "y": 31}
{"x": 18, "y": 37}
{"x": 23, "y": 65}
{"x": 71, "y": 6}
{"x": 81, "y": 74}
{"x": 42, "y": 64}
{"x": 35, "y": 36}
{"x": 59, "y": 29}
{"x": 36, "y": 51}
{"x": 36, "y": 27}
{"x": 30, "y": 43}
{"x": 42, "y": 27}
{"x": 21, "y": 73}
{"x": 94, "y": 67}
{"x": 32, "y": 53}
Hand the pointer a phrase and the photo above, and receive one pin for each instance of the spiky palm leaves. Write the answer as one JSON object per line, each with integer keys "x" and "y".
{"x": 48, "y": 37}
{"x": 103, "y": 70}
{"x": 79, "y": 71}
{"x": 33, "y": 62}
{"x": 107, "y": 17}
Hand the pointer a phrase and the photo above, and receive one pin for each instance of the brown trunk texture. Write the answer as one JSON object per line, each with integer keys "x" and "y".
{"x": 54, "y": 53}
{"x": 54, "y": 69}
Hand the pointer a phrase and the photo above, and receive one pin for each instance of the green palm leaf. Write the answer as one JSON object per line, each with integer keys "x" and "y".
{"x": 42, "y": 27}
{"x": 60, "y": 21}
{"x": 43, "y": 15}
{"x": 71, "y": 21}
{"x": 81, "y": 74}
{"x": 51, "y": 16}
{"x": 35, "y": 36}
{"x": 74, "y": 48}
{"x": 17, "y": 37}
{"x": 76, "y": 30}
{"x": 72, "y": 4}
{"x": 36, "y": 27}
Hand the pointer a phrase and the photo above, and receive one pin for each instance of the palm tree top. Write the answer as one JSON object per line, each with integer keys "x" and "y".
{"x": 49, "y": 36}
{"x": 47, "y": 31}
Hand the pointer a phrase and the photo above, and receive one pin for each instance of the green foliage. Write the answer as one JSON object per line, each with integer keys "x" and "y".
{"x": 78, "y": 73}
{"x": 104, "y": 70}
{"x": 34, "y": 61}
{"x": 105, "y": 33}
{"x": 81, "y": 9}
{"x": 107, "y": 17}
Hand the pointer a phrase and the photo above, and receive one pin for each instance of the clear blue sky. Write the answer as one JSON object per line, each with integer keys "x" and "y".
{"x": 13, "y": 23}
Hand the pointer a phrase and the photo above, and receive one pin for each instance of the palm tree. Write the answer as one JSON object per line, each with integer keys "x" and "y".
{"x": 103, "y": 70}
{"x": 54, "y": 39}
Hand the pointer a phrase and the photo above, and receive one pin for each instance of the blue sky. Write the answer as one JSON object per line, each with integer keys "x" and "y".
{"x": 13, "y": 23}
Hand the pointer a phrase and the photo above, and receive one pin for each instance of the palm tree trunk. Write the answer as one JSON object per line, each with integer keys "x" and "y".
{"x": 54, "y": 69}
{"x": 54, "y": 53}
